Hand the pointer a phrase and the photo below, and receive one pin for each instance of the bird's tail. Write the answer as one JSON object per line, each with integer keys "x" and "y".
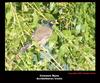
{"x": 25, "y": 47}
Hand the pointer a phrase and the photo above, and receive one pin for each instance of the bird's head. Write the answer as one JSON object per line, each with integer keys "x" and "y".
{"x": 47, "y": 24}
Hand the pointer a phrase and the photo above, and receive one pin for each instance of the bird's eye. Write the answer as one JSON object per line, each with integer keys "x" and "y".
{"x": 44, "y": 22}
{"x": 47, "y": 23}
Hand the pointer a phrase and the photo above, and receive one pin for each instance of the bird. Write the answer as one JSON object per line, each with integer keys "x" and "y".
{"x": 40, "y": 35}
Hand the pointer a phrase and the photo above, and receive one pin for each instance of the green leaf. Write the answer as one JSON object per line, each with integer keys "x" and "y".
{"x": 53, "y": 40}
{"x": 35, "y": 19}
{"x": 49, "y": 16}
{"x": 52, "y": 5}
{"x": 78, "y": 29}
{"x": 66, "y": 33}
{"x": 9, "y": 16}
{"x": 24, "y": 8}
{"x": 63, "y": 49}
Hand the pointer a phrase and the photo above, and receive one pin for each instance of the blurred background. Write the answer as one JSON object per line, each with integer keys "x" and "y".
{"x": 72, "y": 44}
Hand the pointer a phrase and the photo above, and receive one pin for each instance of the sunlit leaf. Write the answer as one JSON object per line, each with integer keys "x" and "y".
{"x": 53, "y": 40}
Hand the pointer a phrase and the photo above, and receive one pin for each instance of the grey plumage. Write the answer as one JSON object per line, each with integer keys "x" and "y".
{"x": 40, "y": 35}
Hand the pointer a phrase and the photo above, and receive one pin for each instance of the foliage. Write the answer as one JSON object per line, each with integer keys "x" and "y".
{"x": 72, "y": 43}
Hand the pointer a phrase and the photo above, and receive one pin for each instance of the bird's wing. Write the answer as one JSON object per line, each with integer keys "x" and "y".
{"x": 42, "y": 32}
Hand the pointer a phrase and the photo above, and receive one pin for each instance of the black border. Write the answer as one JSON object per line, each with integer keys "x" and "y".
{"x": 32, "y": 75}
{"x": 50, "y": 0}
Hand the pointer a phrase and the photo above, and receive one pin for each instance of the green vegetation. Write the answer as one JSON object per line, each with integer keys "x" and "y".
{"x": 72, "y": 44}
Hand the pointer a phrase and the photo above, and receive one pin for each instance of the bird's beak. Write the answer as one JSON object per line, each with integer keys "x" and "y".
{"x": 54, "y": 22}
